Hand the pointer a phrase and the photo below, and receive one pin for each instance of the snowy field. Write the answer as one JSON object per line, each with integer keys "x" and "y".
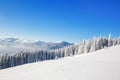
{"x": 100, "y": 65}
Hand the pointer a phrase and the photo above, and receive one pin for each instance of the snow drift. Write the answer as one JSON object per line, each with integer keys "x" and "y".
{"x": 100, "y": 65}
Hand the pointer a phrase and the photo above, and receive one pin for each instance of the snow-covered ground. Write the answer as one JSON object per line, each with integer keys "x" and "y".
{"x": 100, "y": 65}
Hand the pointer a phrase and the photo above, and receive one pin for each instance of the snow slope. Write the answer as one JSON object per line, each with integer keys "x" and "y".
{"x": 100, "y": 65}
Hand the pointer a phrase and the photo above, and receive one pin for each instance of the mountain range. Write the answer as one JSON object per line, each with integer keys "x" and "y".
{"x": 14, "y": 45}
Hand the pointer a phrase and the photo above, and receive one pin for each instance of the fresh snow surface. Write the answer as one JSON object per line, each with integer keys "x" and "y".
{"x": 100, "y": 65}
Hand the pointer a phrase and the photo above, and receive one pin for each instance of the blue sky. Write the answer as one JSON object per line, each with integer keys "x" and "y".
{"x": 59, "y": 20}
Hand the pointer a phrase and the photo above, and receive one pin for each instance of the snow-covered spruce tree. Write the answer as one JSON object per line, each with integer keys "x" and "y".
{"x": 40, "y": 55}
{"x": 87, "y": 46}
{"x": 81, "y": 48}
{"x": 118, "y": 40}
{"x": 110, "y": 41}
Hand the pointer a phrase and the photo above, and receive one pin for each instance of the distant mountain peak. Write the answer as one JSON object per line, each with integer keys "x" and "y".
{"x": 10, "y": 39}
{"x": 13, "y": 45}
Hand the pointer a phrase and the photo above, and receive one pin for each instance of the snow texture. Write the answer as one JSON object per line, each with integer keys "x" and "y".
{"x": 103, "y": 64}
{"x": 30, "y": 56}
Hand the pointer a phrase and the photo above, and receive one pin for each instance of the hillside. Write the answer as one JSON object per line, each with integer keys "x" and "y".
{"x": 15, "y": 45}
{"x": 100, "y": 65}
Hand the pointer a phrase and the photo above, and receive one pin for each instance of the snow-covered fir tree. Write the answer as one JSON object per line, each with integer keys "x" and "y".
{"x": 40, "y": 55}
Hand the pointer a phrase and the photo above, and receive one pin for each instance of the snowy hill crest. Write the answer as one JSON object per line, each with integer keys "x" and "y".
{"x": 100, "y": 65}
{"x": 32, "y": 55}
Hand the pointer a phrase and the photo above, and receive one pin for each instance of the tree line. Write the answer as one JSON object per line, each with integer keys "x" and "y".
{"x": 22, "y": 57}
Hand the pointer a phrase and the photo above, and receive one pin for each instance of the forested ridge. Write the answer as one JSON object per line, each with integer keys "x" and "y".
{"x": 7, "y": 60}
